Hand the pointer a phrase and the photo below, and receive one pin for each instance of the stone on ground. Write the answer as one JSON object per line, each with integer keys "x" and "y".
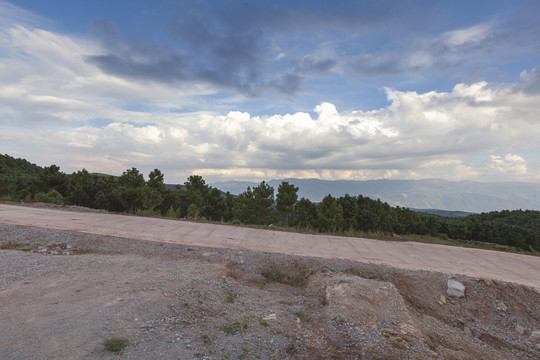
{"x": 455, "y": 289}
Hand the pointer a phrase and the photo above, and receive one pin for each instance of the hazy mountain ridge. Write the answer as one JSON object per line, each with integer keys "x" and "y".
{"x": 468, "y": 196}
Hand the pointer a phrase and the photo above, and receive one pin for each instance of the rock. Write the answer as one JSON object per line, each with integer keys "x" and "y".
{"x": 501, "y": 306}
{"x": 270, "y": 317}
{"x": 488, "y": 282}
{"x": 363, "y": 302}
{"x": 520, "y": 330}
{"x": 455, "y": 288}
{"x": 535, "y": 337}
{"x": 442, "y": 300}
{"x": 467, "y": 331}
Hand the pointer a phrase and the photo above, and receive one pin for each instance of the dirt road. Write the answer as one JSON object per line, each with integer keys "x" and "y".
{"x": 407, "y": 255}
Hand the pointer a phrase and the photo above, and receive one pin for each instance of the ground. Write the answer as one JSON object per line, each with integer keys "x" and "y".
{"x": 173, "y": 301}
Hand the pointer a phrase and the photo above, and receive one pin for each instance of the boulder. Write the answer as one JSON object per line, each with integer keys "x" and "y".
{"x": 364, "y": 302}
{"x": 455, "y": 288}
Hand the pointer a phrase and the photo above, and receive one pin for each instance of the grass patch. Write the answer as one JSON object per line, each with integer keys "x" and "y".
{"x": 230, "y": 299}
{"x": 229, "y": 329}
{"x": 205, "y": 338}
{"x": 116, "y": 345}
{"x": 234, "y": 327}
{"x": 11, "y": 246}
{"x": 264, "y": 323}
{"x": 300, "y": 315}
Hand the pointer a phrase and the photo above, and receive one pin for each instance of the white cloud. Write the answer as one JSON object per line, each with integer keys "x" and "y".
{"x": 45, "y": 77}
{"x": 510, "y": 163}
{"x": 469, "y": 35}
{"x": 418, "y": 135}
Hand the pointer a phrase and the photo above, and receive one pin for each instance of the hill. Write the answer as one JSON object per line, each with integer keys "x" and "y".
{"x": 467, "y": 196}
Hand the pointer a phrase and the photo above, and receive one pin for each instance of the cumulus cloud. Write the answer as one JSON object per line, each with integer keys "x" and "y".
{"x": 531, "y": 80}
{"x": 509, "y": 163}
{"x": 433, "y": 134}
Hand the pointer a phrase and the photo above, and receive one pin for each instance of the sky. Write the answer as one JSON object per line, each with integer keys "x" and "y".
{"x": 260, "y": 90}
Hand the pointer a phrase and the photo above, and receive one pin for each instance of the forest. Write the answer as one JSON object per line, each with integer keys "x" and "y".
{"x": 22, "y": 181}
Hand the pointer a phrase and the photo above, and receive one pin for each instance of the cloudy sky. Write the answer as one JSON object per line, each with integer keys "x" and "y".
{"x": 255, "y": 90}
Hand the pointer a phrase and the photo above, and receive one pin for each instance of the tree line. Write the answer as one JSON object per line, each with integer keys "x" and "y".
{"x": 130, "y": 192}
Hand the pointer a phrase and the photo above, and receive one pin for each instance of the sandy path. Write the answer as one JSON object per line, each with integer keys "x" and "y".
{"x": 516, "y": 268}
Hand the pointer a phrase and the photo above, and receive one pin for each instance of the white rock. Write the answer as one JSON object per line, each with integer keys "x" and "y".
{"x": 270, "y": 317}
{"x": 535, "y": 336}
{"x": 501, "y": 306}
{"x": 455, "y": 289}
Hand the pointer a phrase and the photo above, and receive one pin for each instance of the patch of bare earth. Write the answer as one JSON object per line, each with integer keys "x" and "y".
{"x": 65, "y": 294}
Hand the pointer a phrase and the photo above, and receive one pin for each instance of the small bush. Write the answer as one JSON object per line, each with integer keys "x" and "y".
{"x": 233, "y": 328}
{"x": 293, "y": 274}
{"x": 116, "y": 345}
{"x": 300, "y": 315}
{"x": 443, "y": 237}
{"x": 229, "y": 329}
{"x": 230, "y": 299}
{"x": 172, "y": 213}
{"x": 264, "y": 323}
{"x": 52, "y": 196}
{"x": 193, "y": 212}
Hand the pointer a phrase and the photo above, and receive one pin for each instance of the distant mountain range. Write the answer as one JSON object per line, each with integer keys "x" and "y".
{"x": 467, "y": 196}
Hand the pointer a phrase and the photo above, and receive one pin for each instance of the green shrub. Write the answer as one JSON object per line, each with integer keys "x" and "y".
{"x": 193, "y": 212}
{"x": 6, "y": 197}
{"x": 116, "y": 345}
{"x": 172, "y": 213}
{"x": 53, "y": 197}
{"x": 300, "y": 315}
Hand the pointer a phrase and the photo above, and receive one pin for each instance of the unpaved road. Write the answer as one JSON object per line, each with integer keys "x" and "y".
{"x": 507, "y": 267}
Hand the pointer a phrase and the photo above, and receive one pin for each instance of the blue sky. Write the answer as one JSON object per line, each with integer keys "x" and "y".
{"x": 257, "y": 90}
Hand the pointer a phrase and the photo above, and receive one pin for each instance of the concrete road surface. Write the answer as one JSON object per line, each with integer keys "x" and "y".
{"x": 520, "y": 269}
